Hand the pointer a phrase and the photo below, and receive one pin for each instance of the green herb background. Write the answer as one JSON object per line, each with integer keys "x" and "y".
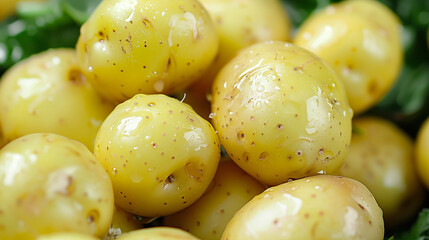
{"x": 56, "y": 23}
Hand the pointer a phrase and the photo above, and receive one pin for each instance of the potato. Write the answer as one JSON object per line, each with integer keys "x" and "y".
{"x": 230, "y": 190}
{"x": 240, "y": 24}
{"x": 381, "y": 157}
{"x": 67, "y": 236}
{"x": 422, "y": 153}
{"x": 317, "y": 207}
{"x": 154, "y": 46}
{"x": 50, "y": 183}
{"x": 158, "y": 233}
{"x": 365, "y": 51}
{"x": 48, "y": 93}
{"x": 123, "y": 222}
{"x": 281, "y": 113}
{"x": 160, "y": 155}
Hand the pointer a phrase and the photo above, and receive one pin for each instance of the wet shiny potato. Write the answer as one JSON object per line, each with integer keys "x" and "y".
{"x": 361, "y": 40}
{"x": 281, "y": 113}
{"x": 48, "y": 93}
{"x": 155, "y": 46}
{"x": 160, "y": 155}
{"x": 50, "y": 183}
{"x": 317, "y": 207}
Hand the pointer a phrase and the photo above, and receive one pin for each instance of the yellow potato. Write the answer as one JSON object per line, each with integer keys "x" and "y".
{"x": 381, "y": 157}
{"x": 50, "y": 183}
{"x": 230, "y": 190}
{"x": 160, "y": 155}
{"x": 240, "y": 24}
{"x": 155, "y": 46}
{"x": 317, "y": 207}
{"x": 422, "y": 153}
{"x": 361, "y": 40}
{"x": 48, "y": 93}
{"x": 158, "y": 233}
{"x": 281, "y": 113}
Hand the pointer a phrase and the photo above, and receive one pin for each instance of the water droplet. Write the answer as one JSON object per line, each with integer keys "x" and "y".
{"x": 159, "y": 85}
{"x": 212, "y": 115}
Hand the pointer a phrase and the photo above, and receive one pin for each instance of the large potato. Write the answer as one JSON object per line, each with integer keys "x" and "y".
{"x": 230, "y": 190}
{"x": 240, "y": 24}
{"x": 160, "y": 155}
{"x": 50, "y": 183}
{"x": 158, "y": 233}
{"x": 361, "y": 40}
{"x": 317, "y": 207}
{"x": 281, "y": 113}
{"x": 381, "y": 157}
{"x": 48, "y": 93}
{"x": 154, "y": 46}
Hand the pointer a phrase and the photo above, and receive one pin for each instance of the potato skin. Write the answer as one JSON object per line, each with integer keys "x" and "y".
{"x": 281, "y": 113}
{"x": 46, "y": 93}
{"x": 381, "y": 157}
{"x": 422, "y": 153}
{"x": 158, "y": 233}
{"x": 240, "y": 24}
{"x": 317, "y": 207}
{"x": 155, "y": 46}
{"x": 230, "y": 190}
{"x": 122, "y": 222}
{"x": 160, "y": 155}
{"x": 50, "y": 183}
{"x": 361, "y": 40}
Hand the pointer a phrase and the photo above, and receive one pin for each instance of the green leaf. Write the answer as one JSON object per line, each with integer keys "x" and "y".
{"x": 418, "y": 231}
{"x": 79, "y": 10}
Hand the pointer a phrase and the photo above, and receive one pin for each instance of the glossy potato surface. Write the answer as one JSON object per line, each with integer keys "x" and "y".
{"x": 361, "y": 40}
{"x": 281, "y": 113}
{"x": 160, "y": 155}
{"x": 317, "y": 207}
{"x": 50, "y": 183}
{"x": 156, "y": 46}
{"x": 48, "y": 93}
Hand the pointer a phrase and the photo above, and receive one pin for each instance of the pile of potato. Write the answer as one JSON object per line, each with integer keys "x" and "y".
{"x": 130, "y": 126}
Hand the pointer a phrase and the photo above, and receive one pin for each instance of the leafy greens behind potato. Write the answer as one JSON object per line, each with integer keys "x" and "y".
{"x": 41, "y": 25}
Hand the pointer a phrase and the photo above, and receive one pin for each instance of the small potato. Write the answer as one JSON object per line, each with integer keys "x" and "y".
{"x": 50, "y": 183}
{"x": 67, "y": 236}
{"x": 317, "y": 207}
{"x": 381, "y": 157}
{"x": 154, "y": 46}
{"x": 281, "y": 113}
{"x": 230, "y": 190}
{"x": 158, "y": 233}
{"x": 240, "y": 24}
{"x": 123, "y": 222}
{"x": 422, "y": 153}
{"x": 361, "y": 40}
{"x": 48, "y": 93}
{"x": 160, "y": 155}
